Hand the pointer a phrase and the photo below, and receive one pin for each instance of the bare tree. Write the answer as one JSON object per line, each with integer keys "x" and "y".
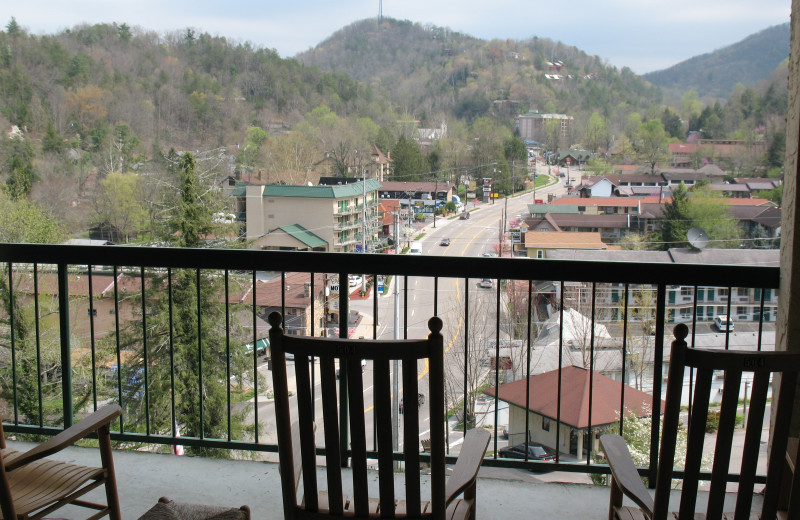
{"x": 522, "y": 321}
{"x": 466, "y": 370}
{"x": 585, "y": 334}
{"x": 639, "y": 338}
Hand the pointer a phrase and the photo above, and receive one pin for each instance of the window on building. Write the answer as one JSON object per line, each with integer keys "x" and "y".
{"x": 539, "y": 253}
{"x": 546, "y": 424}
{"x": 686, "y": 292}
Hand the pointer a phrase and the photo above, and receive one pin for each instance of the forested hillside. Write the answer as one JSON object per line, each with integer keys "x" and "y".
{"x": 181, "y": 89}
{"x": 89, "y": 115}
{"x": 430, "y": 70}
{"x": 715, "y": 74}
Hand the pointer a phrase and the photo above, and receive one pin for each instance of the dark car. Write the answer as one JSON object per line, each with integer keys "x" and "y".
{"x": 445, "y": 242}
{"x": 535, "y": 452}
{"x": 464, "y": 216}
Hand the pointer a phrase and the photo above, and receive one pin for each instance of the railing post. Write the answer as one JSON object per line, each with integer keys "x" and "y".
{"x": 658, "y": 365}
{"x": 66, "y": 361}
{"x": 344, "y": 421}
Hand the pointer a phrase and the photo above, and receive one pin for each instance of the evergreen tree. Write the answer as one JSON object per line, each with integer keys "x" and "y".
{"x": 21, "y": 174}
{"x": 409, "y": 163}
{"x": 37, "y": 365}
{"x": 777, "y": 149}
{"x": 385, "y": 139}
{"x": 12, "y": 27}
{"x": 195, "y": 349}
{"x": 52, "y": 141}
{"x": 677, "y": 220}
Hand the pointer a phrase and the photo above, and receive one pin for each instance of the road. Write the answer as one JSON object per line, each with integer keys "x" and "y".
{"x": 475, "y": 236}
{"x": 419, "y": 299}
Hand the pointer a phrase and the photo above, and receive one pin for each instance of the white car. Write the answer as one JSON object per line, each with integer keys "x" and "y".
{"x": 354, "y": 280}
{"x": 723, "y": 324}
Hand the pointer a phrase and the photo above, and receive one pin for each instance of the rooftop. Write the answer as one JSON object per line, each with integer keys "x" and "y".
{"x": 321, "y": 192}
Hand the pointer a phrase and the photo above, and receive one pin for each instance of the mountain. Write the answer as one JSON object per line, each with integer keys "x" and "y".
{"x": 428, "y": 71}
{"x": 713, "y": 75}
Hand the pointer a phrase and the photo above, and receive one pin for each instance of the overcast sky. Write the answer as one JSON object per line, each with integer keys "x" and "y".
{"x": 644, "y": 35}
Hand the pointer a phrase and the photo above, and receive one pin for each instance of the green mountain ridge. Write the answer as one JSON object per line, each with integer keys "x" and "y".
{"x": 715, "y": 74}
{"x": 429, "y": 70}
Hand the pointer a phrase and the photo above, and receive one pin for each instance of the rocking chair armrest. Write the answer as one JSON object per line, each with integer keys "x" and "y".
{"x": 624, "y": 472}
{"x": 92, "y": 423}
{"x": 468, "y": 463}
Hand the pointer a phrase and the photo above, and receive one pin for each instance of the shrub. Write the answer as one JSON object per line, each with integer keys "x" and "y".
{"x": 712, "y": 424}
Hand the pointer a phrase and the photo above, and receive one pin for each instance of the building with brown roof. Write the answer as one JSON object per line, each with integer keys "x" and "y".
{"x": 610, "y": 227}
{"x": 292, "y": 296}
{"x": 606, "y": 205}
{"x": 539, "y": 243}
{"x": 535, "y": 401}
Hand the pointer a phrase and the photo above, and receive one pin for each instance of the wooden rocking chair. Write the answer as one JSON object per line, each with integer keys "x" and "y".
{"x": 625, "y": 479}
{"x": 32, "y": 487}
{"x": 296, "y": 439}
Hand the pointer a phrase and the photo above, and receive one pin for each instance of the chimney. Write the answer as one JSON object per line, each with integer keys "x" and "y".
{"x": 307, "y": 290}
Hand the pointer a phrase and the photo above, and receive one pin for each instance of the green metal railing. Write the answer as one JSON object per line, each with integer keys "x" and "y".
{"x": 132, "y": 292}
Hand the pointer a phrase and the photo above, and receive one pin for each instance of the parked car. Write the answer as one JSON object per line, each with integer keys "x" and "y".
{"x": 723, "y": 323}
{"x": 535, "y": 452}
{"x": 486, "y": 283}
{"x": 262, "y": 346}
{"x": 488, "y": 255}
{"x": 415, "y": 249}
{"x": 445, "y": 242}
{"x": 354, "y": 280}
{"x": 464, "y": 216}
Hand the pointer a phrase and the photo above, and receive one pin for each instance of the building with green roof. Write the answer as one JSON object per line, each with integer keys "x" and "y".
{"x": 338, "y": 218}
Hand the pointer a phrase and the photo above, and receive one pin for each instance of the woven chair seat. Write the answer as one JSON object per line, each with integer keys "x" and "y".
{"x": 167, "y": 509}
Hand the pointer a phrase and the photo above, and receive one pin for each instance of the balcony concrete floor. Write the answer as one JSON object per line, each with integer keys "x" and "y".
{"x": 142, "y": 478}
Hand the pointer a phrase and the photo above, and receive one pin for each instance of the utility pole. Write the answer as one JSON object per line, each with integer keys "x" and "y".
{"x": 396, "y": 363}
{"x": 500, "y": 236}
{"x": 435, "y": 198}
{"x": 364, "y": 231}
{"x": 410, "y": 215}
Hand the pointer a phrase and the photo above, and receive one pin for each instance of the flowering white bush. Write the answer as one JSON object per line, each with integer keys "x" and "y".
{"x": 636, "y": 433}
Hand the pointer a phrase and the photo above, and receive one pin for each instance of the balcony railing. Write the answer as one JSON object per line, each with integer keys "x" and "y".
{"x": 161, "y": 330}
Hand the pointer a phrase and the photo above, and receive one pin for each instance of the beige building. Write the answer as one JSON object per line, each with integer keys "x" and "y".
{"x": 338, "y": 218}
{"x": 539, "y": 243}
{"x": 532, "y": 127}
